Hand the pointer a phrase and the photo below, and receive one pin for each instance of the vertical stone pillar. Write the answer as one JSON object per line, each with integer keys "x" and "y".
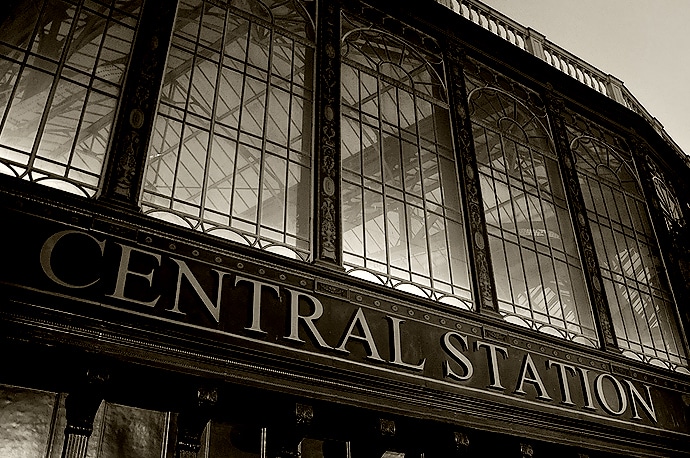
{"x": 124, "y": 171}
{"x": 192, "y": 421}
{"x": 590, "y": 263}
{"x": 328, "y": 227}
{"x": 81, "y": 407}
{"x": 477, "y": 237}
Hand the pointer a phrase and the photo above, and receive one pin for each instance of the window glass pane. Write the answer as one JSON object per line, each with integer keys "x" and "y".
{"x": 637, "y": 289}
{"x": 61, "y": 79}
{"x": 536, "y": 265}
{"x": 241, "y": 167}
{"x": 402, "y": 223}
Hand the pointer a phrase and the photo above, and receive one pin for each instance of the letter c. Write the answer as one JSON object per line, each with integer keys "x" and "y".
{"x": 47, "y": 254}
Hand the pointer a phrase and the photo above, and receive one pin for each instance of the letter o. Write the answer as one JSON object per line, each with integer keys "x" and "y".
{"x": 601, "y": 397}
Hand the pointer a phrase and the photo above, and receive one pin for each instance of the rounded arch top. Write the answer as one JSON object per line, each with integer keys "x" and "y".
{"x": 393, "y": 57}
{"x": 599, "y": 160}
{"x": 291, "y": 15}
{"x": 500, "y": 110}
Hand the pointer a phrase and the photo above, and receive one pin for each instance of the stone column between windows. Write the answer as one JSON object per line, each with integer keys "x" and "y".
{"x": 578, "y": 211}
{"x": 477, "y": 236}
{"x": 125, "y": 167}
{"x": 328, "y": 225}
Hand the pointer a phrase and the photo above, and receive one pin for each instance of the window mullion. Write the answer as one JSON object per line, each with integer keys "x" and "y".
{"x": 482, "y": 277}
{"x": 328, "y": 225}
{"x": 124, "y": 172}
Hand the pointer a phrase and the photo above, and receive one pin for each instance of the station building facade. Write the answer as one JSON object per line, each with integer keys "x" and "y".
{"x": 283, "y": 228}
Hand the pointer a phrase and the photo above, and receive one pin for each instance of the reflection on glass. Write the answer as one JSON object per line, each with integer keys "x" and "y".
{"x": 539, "y": 279}
{"x": 231, "y": 149}
{"x": 61, "y": 71}
{"x": 402, "y": 223}
{"x": 637, "y": 288}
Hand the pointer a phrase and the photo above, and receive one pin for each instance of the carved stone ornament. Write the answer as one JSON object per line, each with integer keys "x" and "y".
{"x": 304, "y": 414}
{"x": 526, "y": 451}
{"x": 289, "y": 433}
{"x": 462, "y": 441}
{"x": 386, "y": 427}
{"x": 328, "y": 134}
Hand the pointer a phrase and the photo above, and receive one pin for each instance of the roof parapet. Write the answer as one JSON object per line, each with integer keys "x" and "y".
{"x": 538, "y": 45}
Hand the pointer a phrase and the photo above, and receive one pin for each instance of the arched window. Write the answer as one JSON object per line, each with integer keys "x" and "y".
{"x": 231, "y": 148}
{"x": 539, "y": 278}
{"x": 402, "y": 221}
{"x": 61, "y": 71}
{"x": 637, "y": 288}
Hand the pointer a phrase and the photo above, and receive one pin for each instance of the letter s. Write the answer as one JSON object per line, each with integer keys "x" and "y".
{"x": 457, "y": 356}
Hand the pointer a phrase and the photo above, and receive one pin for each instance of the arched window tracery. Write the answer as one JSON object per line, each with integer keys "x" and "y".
{"x": 641, "y": 303}
{"x": 61, "y": 73}
{"x": 231, "y": 148}
{"x": 402, "y": 220}
{"x": 537, "y": 269}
